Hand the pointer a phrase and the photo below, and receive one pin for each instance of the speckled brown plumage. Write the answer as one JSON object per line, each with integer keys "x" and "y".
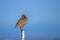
{"x": 22, "y": 21}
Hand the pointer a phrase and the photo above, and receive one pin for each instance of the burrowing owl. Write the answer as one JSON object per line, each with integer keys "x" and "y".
{"x": 22, "y": 21}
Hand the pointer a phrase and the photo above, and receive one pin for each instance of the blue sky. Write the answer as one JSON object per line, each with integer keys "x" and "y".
{"x": 43, "y": 17}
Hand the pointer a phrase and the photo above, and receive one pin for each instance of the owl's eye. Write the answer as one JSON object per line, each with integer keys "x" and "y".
{"x": 24, "y": 17}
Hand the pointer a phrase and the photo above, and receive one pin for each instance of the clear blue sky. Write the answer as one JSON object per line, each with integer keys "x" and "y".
{"x": 43, "y": 17}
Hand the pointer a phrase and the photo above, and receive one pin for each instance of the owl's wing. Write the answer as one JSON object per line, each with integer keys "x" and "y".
{"x": 18, "y": 23}
{"x": 21, "y": 22}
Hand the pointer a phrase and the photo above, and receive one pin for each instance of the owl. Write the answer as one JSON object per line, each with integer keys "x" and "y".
{"x": 22, "y": 21}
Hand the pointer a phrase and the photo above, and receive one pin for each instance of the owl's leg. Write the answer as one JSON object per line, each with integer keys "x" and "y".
{"x": 21, "y": 28}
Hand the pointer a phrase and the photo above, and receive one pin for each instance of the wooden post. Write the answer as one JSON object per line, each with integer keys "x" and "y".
{"x": 22, "y": 34}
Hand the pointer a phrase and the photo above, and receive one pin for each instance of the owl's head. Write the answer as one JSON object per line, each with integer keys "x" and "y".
{"x": 24, "y": 16}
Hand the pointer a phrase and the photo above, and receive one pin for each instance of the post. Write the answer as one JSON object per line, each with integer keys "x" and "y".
{"x": 22, "y": 34}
